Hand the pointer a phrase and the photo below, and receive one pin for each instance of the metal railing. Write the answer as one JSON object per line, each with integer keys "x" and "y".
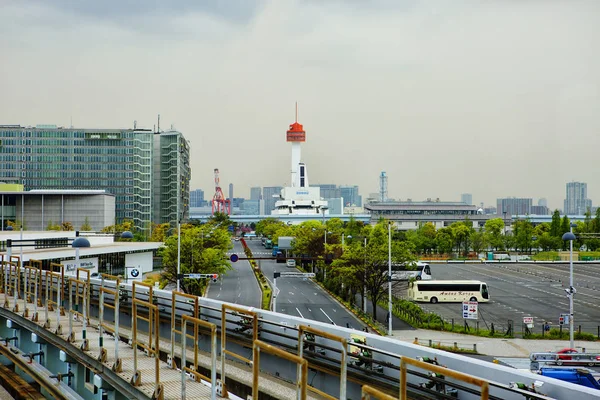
{"x": 152, "y": 349}
{"x": 404, "y": 361}
{"x": 13, "y": 282}
{"x": 224, "y": 351}
{"x": 195, "y": 313}
{"x": 54, "y": 291}
{"x": 302, "y": 329}
{"x": 369, "y": 392}
{"x": 213, "y": 355}
{"x": 32, "y": 285}
{"x": 75, "y": 285}
{"x": 103, "y": 326}
{"x": 302, "y": 365}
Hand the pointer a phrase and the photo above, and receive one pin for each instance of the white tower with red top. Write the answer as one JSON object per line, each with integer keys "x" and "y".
{"x": 296, "y": 136}
{"x": 299, "y": 198}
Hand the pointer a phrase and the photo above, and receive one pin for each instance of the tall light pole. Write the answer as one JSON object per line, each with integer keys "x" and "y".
{"x": 571, "y": 291}
{"x": 365, "y": 279}
{"x": 323, "y": 209}
{"x": 390, "y": 278}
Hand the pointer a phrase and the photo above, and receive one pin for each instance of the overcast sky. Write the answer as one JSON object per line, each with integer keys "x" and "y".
{"x": 494, "y": 98}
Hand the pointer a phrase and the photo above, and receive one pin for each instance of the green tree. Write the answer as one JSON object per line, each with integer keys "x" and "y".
{"x": 523, "y": 233}
{"x": 565, "y": 226}
{"x": 203, "y": 250}
{"x": 444, "y": 240}
{"x": 546, "y": 242}
{"x": 477, "y": 241}
{"x": 268, "y": 226}
{"x": 86, "y": 225}
{"x": 159, "y": 232}
{"x": 555, "y": 229}
{"x": 494, "y": 229}
{"x": 375, "y": 269}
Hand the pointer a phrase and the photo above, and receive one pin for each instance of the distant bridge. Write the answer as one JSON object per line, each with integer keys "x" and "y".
{"x": 288, "y": 219}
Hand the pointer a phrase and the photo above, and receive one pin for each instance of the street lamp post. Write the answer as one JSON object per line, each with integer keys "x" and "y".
{"x": 323, "y": 209}
{"x": 390, "y": 278}
{"x": 571, "y": 291}
{"x": 365, "y": 279}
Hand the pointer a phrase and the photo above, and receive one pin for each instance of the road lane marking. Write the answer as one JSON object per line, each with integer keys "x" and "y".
{"x": 300, "y": 312}
{"x": 330, "y": 320}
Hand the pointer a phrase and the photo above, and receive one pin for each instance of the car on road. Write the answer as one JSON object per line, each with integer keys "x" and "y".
{"x": 290, "y": 263}
{"x": 570, "y": 355}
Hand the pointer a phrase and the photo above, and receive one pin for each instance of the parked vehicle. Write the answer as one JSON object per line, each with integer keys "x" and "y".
{"x": 578, "y": 376}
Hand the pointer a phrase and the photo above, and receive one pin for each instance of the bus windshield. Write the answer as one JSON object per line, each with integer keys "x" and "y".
{"x": 448, "y": 291}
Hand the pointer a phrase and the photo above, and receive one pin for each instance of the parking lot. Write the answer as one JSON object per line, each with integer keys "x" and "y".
{"x": 518, "y": 290}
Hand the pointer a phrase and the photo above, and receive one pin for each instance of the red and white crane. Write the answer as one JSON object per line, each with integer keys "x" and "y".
{"x": 219, "y": 202}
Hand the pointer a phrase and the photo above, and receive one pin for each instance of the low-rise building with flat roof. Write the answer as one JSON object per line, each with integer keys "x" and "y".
{"x": 37, "y": 208}
{"x": 409, "y": 215}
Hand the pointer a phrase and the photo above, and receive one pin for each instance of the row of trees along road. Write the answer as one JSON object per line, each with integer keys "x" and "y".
{"x": 359, "y": 265}
{"x": 461, "y": 237}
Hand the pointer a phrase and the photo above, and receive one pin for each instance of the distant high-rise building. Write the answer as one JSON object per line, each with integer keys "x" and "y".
{"x": 137, "y": 166}
{"x": 197, "y": 198}
{"x": 383, "y": 187}
{"x": 269, "y": 200}
{"x": 171, "y": 196}
{"x": 237, "y": 202}
{"x": 466, "y": 198}
{"x": 514, "y": 206}
{"x": 250, "y": 207}
{"x": 351, "y": 196}
{"x": 539, "y": 210}
{"x": 577, "y": 202}
{"x": 230, "y": 193}
{"x": 543, "y": 202}
{"x": 255, "y": 193}
{"x": 329, "y": 191}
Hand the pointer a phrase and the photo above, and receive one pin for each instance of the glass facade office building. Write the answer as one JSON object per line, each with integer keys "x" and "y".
{"x": 119, "y": 161}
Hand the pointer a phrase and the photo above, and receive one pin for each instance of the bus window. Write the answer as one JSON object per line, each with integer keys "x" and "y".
{"x": 484, "y": 291}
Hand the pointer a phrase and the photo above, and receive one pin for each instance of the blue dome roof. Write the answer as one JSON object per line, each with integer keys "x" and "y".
{"x": 81, "y": 242}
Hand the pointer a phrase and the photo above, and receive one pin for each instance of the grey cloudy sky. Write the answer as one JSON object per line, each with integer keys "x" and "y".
{"x": 495, "y": 98}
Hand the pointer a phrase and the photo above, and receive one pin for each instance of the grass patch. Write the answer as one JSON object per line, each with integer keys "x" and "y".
{"x": 416, "y": 317}
{"x": 556, "y": 334}
{"x": 546, "y": 256}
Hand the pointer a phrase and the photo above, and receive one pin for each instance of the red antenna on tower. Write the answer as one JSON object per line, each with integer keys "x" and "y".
{"x": 219, "y": 202}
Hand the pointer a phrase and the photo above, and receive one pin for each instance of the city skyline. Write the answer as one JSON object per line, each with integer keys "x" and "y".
{"x": 443, "y": 97}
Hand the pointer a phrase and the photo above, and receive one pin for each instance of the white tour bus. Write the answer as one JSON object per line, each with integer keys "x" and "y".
{"x": 448, "y": 291}
{"x": 420, "y": 271}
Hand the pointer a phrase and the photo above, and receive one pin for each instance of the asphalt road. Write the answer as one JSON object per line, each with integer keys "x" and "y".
{"x": 519, "y": 290}
{"x": 302, "y": 298}
{"x": 239, "y": 285}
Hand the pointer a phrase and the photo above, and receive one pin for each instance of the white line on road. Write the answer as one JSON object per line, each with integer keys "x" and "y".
{"x": 330, "y": 320}
{"x": 218, "y": 294}
{"x": 239, "y": 294}
{"x": 299, "y": 312}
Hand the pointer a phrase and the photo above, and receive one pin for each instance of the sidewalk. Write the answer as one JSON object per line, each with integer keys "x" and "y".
{"x": 497, "y": 347}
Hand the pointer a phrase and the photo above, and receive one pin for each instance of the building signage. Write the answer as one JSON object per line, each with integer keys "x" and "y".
{"x": 469, "y": 309}
{"x": 86, "y": 263}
